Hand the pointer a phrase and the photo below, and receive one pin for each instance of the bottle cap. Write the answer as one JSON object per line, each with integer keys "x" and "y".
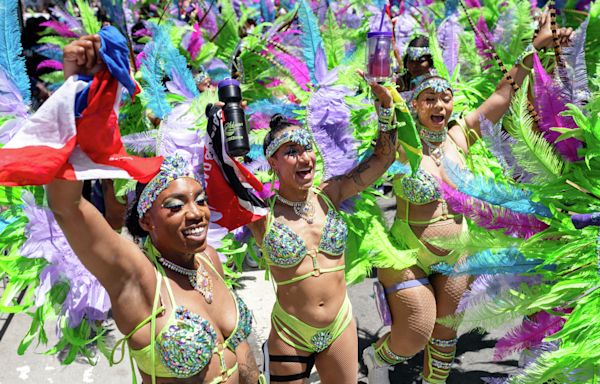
{"x": 227, "y": 82}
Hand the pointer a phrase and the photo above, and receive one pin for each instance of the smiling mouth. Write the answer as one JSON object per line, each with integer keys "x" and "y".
{"x": 437, "y": 119}
{"x": 192, "y": 232}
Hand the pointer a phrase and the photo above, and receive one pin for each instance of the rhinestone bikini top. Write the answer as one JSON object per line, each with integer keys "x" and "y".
{"x": 187, "y": 342}
{"x": 285, "y": 249}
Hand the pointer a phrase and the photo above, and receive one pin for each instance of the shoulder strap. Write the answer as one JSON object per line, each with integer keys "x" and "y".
{"x": 325, "y": 198}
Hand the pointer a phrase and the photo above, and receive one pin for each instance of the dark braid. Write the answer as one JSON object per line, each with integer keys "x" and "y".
{"x": 558, "y": 56}
{"x": 503, "y": 69}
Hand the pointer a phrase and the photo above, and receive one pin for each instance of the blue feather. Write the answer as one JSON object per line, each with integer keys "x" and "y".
{"x": 488, "y": 190}
{"x": 267, "y": 10}
{"x": 256, "y": 152}
{"x": 154, "y": 92}
{"x": 451, "y": 7}
{"x": 273, "y": 106}
{"x": 114, "y": 10}
{"x": 175, "y": 65}
{"x": 50, "y": 51}
{"x": 10, "y": 48}
{"x": 310, "y": 38}
{"x": 507, "y": 260}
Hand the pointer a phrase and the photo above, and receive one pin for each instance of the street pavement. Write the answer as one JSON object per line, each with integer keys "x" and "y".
{"x": 473, "y": 361}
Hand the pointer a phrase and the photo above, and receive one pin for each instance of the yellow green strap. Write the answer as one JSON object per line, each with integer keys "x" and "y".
{"x": 311, "y": 273}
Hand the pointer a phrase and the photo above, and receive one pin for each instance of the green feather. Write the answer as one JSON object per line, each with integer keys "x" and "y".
{"x": 88, "y": 19}
{"x": 333, "y": 41}
{"x": 531, "y": 150}
{"x": 227, "y": 36}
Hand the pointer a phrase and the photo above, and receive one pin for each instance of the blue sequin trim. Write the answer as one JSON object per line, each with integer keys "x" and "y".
{"x": 244, "y": 326}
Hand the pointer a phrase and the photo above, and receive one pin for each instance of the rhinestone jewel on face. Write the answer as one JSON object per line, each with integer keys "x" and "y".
{"x": 321, "y": 340}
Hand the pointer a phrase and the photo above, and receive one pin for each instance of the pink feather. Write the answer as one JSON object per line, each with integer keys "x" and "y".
{"x": 529, "y": 334}
{"x": 549, "y": 105}
{"x": 259, "y": 121}
{"x": 490, "y": 216}
{"x": 483, "y": 47}
{"x": 297, "y": 68}
{"x": 473, "y": 3}
{"x": 60, "y": 28}
{"x": 195, "y": 42}
{"x": 52, "y": 64}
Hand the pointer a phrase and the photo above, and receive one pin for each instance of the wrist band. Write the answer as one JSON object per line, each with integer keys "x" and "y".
{"x": 529, "y": 49}
{"x": 386, "y": 127}
{"x": 385, "y": 115}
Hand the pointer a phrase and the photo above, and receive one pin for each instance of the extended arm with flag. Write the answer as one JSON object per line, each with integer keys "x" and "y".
{"x": 75, "y": 134}
{"x": 229, "y": 185}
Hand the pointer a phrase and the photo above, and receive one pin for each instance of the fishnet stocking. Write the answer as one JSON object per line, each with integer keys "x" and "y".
{"x": 447, "y": 228}
{"x": 339, "y": 362}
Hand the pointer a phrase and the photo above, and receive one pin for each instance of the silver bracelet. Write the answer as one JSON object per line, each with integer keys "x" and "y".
{"x": 386, "y": 127}
{"x": 385, "y": 115}
{"x": 529, "y": 49}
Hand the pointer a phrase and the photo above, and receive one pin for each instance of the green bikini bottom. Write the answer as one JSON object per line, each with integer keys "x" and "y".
{"x": 403, "y": 233}
{"x": 302, "y": 336}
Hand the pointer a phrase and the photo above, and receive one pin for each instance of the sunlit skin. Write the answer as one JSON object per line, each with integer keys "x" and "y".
{"x": 434, "y": 108}
{"x": 180, "y": 208}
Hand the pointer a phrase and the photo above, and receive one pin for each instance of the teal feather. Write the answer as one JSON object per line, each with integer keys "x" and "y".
{"x": 10, "y": 48}
{"x": 487, "y": 189}
{"x": 175, "y": 65}
{"x": 273, "y": 106}
{"x": 311, "y": 37}
{"x": 507, "y": 260}
{"x": 154, "y": 92}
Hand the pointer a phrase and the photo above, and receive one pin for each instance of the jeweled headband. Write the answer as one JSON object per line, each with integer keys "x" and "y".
{"x": 173, "y": 167}
{"x": 415, "y": 53}
{"x": 438, "y": 84}
{"x": 299, "y": 136}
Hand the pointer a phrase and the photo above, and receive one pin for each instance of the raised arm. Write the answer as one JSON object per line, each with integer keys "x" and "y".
{"x": 369, "y": 170}
{"x": 498, "y": 103}
{"x": 114, "y": 260}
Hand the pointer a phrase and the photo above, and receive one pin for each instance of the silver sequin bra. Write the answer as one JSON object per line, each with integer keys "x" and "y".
{"x": 286, "y": 249}
{"x": 420, "y": 189}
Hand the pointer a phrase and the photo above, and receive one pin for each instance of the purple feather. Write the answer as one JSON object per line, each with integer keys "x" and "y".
{"x": 504, "y": 30}
{"x": 483, "y": 47}
{"x": 61, "y": 28}
{"x": 490, "y": 216}
{"x": 529, "y": 334}
{"x": 487, "y": 287}
{"x": 499, "y": 143}
{"x": 52, "y": 64}
{"x": 86, "y": 298}
{"x": 193, "y": 41}
{"x": 329, "y": 120}
{"x": 404, "y": 29}
{"x": 549, "y": 105}
{"x": 142, "y": 142}
{"x": 72, "y": 23}
{"x": 296, "y": 67}
{"x": 259, "y": 120}
{"x": 449, "y": 39}
{"x": 11, "y": 100}
{"x": 574, "y": 75}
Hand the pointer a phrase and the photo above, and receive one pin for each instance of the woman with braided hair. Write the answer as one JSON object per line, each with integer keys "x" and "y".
{"x": 415, "y": 295}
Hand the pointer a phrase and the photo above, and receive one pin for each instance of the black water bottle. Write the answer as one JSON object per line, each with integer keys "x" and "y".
{"x": 234, "y": 119}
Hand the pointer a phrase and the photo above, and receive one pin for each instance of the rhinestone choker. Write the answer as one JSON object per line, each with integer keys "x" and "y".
{"x": 433, "y": 136}
{"x": 304, "y": 209}
{"x": 199, "y": 278}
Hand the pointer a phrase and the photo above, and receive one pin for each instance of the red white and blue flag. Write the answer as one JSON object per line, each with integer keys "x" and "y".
{"x": 75, "y": 133}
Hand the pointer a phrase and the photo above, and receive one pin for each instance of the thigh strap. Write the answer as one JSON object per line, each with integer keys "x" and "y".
{"x": 308, "y": 360}
{"x": 406, "y": 284}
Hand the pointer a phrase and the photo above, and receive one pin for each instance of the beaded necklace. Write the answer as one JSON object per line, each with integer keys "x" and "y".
{"x": 305, "y": 209}
{"x": 435, "y": 151}
{"x": 199, "y": 278}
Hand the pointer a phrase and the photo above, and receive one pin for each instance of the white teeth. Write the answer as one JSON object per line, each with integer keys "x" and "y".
{"x": 194, "y": 231}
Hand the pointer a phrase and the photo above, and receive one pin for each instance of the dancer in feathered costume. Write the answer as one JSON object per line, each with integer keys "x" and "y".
{"x": 425, "y": 211}
{"x": 556, "y": 293}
